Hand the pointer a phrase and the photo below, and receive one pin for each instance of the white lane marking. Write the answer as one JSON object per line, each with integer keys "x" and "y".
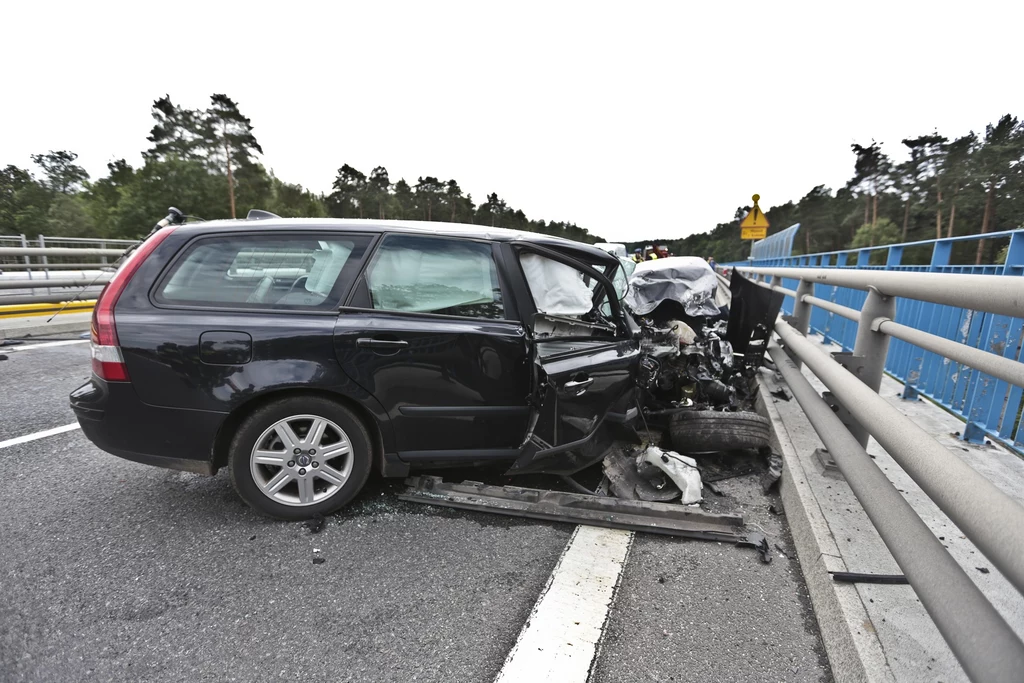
{"x": 38, "y": 435}
{"x": 559, "y": 641}
{"x": 45, "y": 345}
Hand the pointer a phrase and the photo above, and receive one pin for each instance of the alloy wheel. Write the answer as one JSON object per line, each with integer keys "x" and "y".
{"x": 301, "y": 460}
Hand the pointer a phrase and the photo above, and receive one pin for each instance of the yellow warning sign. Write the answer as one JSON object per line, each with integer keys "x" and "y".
{"x": 755, "y": 225}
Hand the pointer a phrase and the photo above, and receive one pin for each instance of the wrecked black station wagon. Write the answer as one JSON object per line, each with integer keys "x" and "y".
{"x": 302, "y": 354}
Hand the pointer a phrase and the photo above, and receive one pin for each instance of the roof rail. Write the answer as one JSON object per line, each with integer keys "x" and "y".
{"x": 259, "y": 214}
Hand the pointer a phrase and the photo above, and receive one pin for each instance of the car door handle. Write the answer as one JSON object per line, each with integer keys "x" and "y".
{"x": 370, "y": 343}
{"x": 578, "y": 386}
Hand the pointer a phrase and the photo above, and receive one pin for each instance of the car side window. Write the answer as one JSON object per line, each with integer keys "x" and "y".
{"x": 435, "y": 275}
{"x": 301, "y": 271}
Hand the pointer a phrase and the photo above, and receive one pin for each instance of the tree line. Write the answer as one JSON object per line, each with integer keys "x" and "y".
{"x": 206, "y": 162}
{"x": 972, "y": 184}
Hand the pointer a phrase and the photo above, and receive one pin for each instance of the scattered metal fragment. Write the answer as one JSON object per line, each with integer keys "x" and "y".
{"x": 773, "y": 473}
{"x": 680, "y": 469}
{"x": 318, "y": 560}
{"x": 780, "y": 393}
{"x": 758, "y": 542}
{"x": 857, "y": 577}
{"x": 627, "y": 482}
{"x": 557, "y": 506}
{"x": 983, "y": 570}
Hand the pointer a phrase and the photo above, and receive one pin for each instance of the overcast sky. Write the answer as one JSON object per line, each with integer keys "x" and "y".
{"x": 635, "y": 120}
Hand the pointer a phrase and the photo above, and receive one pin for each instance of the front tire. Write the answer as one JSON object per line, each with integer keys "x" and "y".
{"x": 702, "y": 431}
{"x": 300, "y": 457}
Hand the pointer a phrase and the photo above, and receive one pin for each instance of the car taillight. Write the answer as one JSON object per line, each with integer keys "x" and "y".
{"x": 107, "y": 361}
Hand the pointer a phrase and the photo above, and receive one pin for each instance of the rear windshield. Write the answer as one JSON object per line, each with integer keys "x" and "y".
{"x": 264, "y": 271}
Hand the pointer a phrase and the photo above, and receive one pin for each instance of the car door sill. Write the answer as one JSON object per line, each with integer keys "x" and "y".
{"x": 463, "y": 411}
{"x": 466, "y": 455}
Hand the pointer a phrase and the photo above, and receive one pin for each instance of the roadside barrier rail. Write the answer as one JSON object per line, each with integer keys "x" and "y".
{"x": 36, "y": 270}
{"x": 58, "y": 251}
{"x": 986, "y": 646}
{"x": 851, "y": 411}
{"x": 956, "y": 342}
{"x": 66, "y": 282}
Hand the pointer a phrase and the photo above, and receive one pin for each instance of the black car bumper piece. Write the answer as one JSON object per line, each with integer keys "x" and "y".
{"x": 114, "y": 418}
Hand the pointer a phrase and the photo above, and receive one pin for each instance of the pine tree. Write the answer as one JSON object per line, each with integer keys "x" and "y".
{"x": 227, "y": 131}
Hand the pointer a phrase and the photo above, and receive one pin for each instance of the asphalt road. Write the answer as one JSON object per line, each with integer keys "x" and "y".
{"x": 114, "y": 571}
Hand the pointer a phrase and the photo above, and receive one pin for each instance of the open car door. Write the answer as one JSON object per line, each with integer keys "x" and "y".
{"x": 584, "y": 354}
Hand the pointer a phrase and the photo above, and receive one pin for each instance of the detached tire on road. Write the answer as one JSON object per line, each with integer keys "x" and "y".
{"x": 299, "y": 457}
{"x": 701, "y": 431}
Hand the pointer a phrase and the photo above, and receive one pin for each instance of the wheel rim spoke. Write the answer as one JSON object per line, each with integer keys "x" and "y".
{"x": 334, "y": 450}
{"x": 287, "y": 436}
{"x": 316, "y": 433}
{"x": 277, "y": 482}
{"x": 305, "y": 489}
{"x": 331, "y": 475}
{"x": 273, "y": 458}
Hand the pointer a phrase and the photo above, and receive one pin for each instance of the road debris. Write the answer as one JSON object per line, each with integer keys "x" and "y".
{"x": 314, "y": 524}
{"x": 773, "y": 473}
{"x": 857, "y": 577}
{"x": 634, "y": 515}
{"x": 680, "y": 469}
{"x": 629, "y": 482}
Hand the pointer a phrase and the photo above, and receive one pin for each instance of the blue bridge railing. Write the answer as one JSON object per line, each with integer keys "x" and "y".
{"x": 991, "y": 407}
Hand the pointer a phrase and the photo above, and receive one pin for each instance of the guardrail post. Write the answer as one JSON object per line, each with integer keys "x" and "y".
{"x": 45, "y": 261}
{"x": 941, "y": 253}
{"x": 801, "y": 318}
{"x": 893, "y": 258}
{"x": 870, "y": 350}
{"x": 1014, "y": 263}
{"x": 28, "y": 259}
{"x": 802, "y": 310}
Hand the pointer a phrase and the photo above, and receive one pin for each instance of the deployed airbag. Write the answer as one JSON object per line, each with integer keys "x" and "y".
{"x": 688, "y": 280}
{"x": 557, "y": 289}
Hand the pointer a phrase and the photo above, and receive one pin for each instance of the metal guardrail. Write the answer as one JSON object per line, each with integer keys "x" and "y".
{"x": 49, "y": 252}
{"x": 37, "y": 270}
{"x": 779, "y": 245}
{"x": 851, "y": 410}
{"x": 989, "y": 402}
{"x": 890, "y": 256}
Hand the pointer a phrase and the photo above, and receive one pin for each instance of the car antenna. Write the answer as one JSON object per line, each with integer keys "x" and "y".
{"x": 174, "y": 217}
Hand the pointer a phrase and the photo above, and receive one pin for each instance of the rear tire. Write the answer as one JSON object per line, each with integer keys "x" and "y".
{"x": 300, "y": 457}
{"x": 702, "y": 431}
